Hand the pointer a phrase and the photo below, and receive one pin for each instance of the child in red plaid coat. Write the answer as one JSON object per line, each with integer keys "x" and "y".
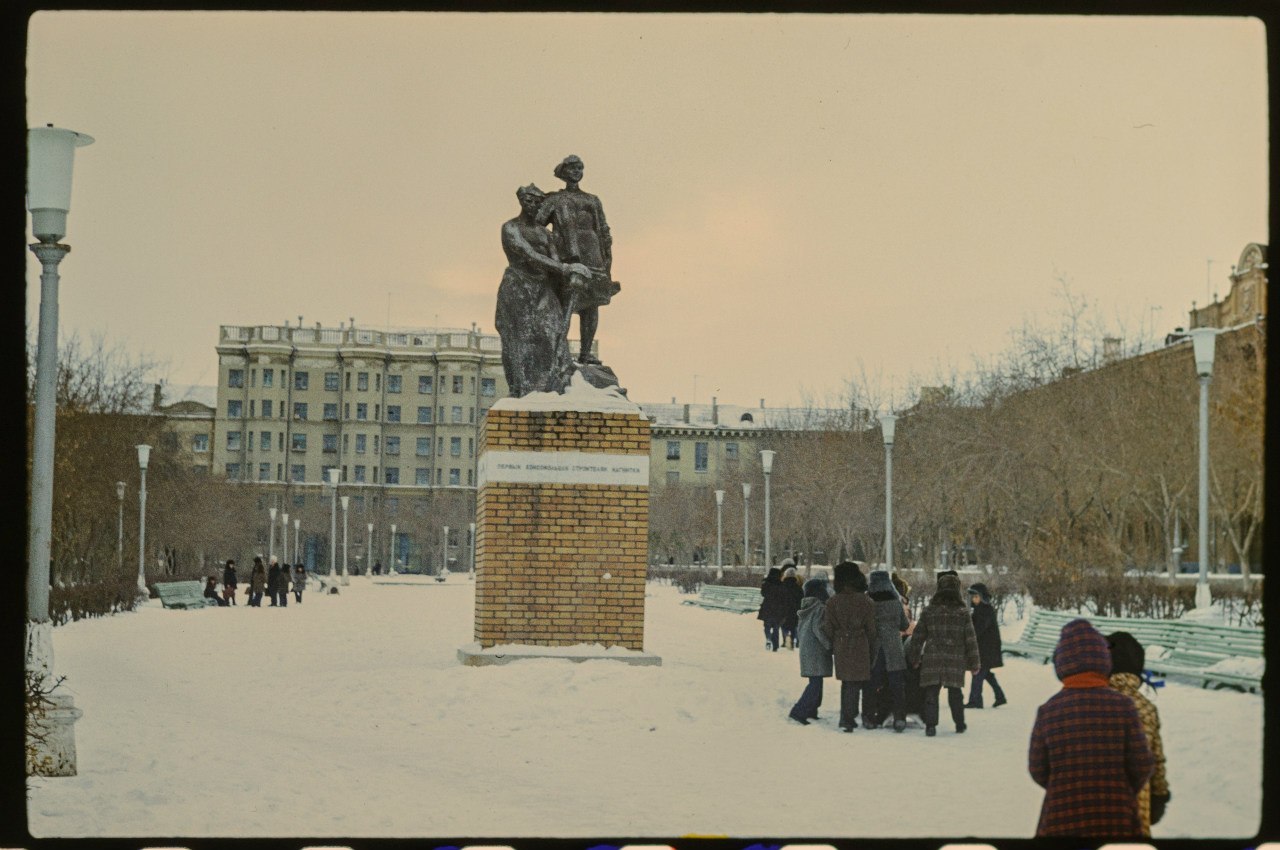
{"x": 1088, "y": 750}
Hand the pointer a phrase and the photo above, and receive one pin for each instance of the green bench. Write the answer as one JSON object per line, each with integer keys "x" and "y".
{"x": 182, "y": 594}
{"x": 719, "y": 597}
{"x": 1224, "y": 656}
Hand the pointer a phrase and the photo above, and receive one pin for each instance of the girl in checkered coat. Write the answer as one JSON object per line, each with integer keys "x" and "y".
{"x": 1088, "y": 750}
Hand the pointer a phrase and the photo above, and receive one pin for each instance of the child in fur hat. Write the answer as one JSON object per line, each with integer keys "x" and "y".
{"x": 815, "y": 650}
{"x": 990, "y": 649}
{"x": 1127, "y": 659}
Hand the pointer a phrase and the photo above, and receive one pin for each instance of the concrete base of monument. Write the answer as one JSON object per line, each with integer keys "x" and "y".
{"x": 472, "y": 655}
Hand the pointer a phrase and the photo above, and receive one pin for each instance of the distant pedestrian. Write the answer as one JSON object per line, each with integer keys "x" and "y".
{"x": 773, "y": 607}
{"x": 888, "y": 667}
{"x": 229, "y": 583}
{"x": 273, "y": 581}
{"x": 794, "y": 594}
{"x": 990, "y": 650}
{"x": 1127, "y": 660}
{"x": 815, "y": 650}
{"x": 211, "y": 590}
{"x": 299, "y": 582}
{"x": 377, "y": 568}
{"x": 282, "y": 585}
{"x": 257, "y": 583}
{"x": 943, "y": 646}
{"x": 849, "y": 622}
{"x": 1088, "y": 750}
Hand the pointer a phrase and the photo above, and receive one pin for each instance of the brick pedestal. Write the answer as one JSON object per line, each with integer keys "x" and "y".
{"x": 562, "y": 532}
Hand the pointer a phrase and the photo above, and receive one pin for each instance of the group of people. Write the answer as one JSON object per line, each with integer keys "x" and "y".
{"x": 275, "y": 581}
{"x": 1095, "y": 747}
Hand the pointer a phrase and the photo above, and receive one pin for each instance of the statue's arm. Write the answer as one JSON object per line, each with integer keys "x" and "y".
{"x": 521, "y": 252}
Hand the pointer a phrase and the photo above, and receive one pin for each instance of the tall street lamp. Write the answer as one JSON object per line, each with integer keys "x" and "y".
{"x": 271, "y": 534}
{"x": 50, "y": 156}
{"x": 297, "y": 540}
{"x": 284, "y": 537}
{"x": 719, "y": 534}
{"x": 1203, "y": 342}
{"x": 746, "y": 523}
{"x": 144, "y": 454}
{"x": 333, "y": 523}
{"x": 766, "y": 464}
{"x": 391, "y": 562}
{"x": 368, "y": 564}
{"x": 120, "y": 525}
{"x": 345, "y": 500}
{"x": 444, "y": 553}
{"x": 887, "y": 421}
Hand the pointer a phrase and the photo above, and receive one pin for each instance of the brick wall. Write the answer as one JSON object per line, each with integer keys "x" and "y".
{"x": 543, "y": 550}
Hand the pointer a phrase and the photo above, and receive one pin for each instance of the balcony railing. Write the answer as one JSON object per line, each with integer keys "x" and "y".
{"x": 434, "y": 338}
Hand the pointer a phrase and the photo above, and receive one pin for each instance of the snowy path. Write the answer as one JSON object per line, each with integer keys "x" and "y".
{"x": 350, "y": 716}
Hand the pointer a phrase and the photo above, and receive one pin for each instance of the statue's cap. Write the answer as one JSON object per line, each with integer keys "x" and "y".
{"x": 530, "y": 190}
{"x": 571, "y": 159}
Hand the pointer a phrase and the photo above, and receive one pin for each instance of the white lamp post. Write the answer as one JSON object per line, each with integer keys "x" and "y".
{"x": 766, "y": 464}
{"x": 50, "y": 156}
{"x": 1203, "y": 342}
{"x": 297, "y": 539}
{"x": 345, "y": 500}
{"x": 369, "y": 550}
{"x": 120, "y": 525}
{"x": 444, "y": 552}
{"x": 284, "y": 536}
{"x": 271, "y": 534}
{"x": 471, "y": 536}
{"x": 144, "y": 455}
{"x": 719, "y": 534}
{"x": 887, "y": 421}
{"x": 391, "y": 562}
{"x": 746, "y": 524}
{"x": 333, "y": 523}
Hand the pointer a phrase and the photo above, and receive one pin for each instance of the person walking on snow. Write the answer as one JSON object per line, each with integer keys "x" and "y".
{"x": 257, "y": 583}
{"x": 282, "y": 585}
{"x": 888, "y": 668}
{"x": 773, "y": 607}
{"x": 990, "y": 650}
{"x": 794, "y": 594}
{"x": 273, "y": 582}
{"x": 299, "y": 582}
{"x": 1127, "y": 660}
{"x": 849, "y": 623}
{"x": 229, "y": 583}
{"x": 943, "y": 646}
{"x": 1088, "y": 750}
{"x": 815, "y": 650}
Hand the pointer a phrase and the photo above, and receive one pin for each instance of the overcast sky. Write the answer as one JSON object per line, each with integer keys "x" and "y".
{"x": 796, "y": 200}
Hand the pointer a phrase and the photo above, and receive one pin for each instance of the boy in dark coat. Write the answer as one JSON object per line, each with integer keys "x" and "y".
{"x": 229, "y": 583}
{"x": 815, "y": 650}
{"x": 795, "y": 593}
{"x": 943, "y": 646}
{"x": 890, "y": 663}
{"x": 850, "y": 625}
{"x": 273, "y": 582}
{"x": 1088, "y": 750}
{"x": 990, "y": 650}
{"x": 773, "y": 607}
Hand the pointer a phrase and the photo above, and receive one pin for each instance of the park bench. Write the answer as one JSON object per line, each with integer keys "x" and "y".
{"x": 742, "y": 600}
{"x": 182, "y": 594}
{"x": 1224, "y": 656}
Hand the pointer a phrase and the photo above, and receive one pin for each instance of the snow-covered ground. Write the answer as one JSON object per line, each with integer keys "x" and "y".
{"x": 350, "y": 715}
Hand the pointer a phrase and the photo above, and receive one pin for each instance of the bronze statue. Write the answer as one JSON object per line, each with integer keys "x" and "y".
{"x": 530, "y": 315}
{"x": 581, "y": 235}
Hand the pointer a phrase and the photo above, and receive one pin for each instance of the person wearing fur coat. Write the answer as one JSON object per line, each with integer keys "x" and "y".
{"x": 1127, "y": 660}
{"x": 944, "y": 646}
{"x": 889, "y": 666}
{"x": 850, "y": 624}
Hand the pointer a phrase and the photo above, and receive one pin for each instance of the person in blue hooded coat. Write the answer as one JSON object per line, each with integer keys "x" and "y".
{"x": 815, "y": 650}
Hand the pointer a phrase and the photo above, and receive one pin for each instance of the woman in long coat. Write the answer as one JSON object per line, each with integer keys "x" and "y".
{"x": 944, "y": 646}
{"x": 815, "y": 650}
{"x": 990, "y": 650}
{"x": 1088, "y": 750}
{"x": 850, "y": 625}
{"x": 888, "y": 669}
{"x": 773, "y": 607}
{"x": 257, "y": 583}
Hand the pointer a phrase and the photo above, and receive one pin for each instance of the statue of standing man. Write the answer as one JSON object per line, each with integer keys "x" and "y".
{"x": 581, "y": 235}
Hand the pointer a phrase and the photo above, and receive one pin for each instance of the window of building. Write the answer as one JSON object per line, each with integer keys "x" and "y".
{"x": 253, "y": 377}
{"x": 439, "y": 445}
{"x": 673, "y": 449}
{"x": 331, "y": 381}
{"x": 700, "y": 457}
{"x": 471, "y": 446}
{"x": 235, "y": 409}
{"x": 264, "y": 472}
{"x": 488, "y": 386}
{"x": 346, "y": 443}
{"x": 331, "y": 412}
{"x": 233, "y": 471}
{"x": 264, "y": 441}
{"x": 359, "y": 473}
{"x": 280, "y": 441}
{"x": 329, "y": 443}
{"x": 375, "y": 475}
{"x": 175, "y": 440}
{"x": 200, "y": 468}
{"x": 298, "y": 442}
{"x": 471, "y": 477}
{"x": 235, "y": 377}
{"x": 455, "y": 477}
{"x": 279, "y": 471}
{"x": 346, "y": 410}
{"x": 233, "y": 441}
{"x": 471, "y": 415}
{"x": 393, "y": 383}
{"x": 347, "y": 382}
{"x": 299, "y": 499}
{"x": 425, "y": 383}
{"x": 362, "y": 443}
{"x": 437, "y": 477}
{"x": 422, "y": 476}
{"x": 424, "y": 415}
{"x": 455, "y": 447}
{"x": 362, "y": 380}
{"x": 297, "y": 472}
{"x": 376, "y": 438}
{"x": 200, "y": 443}
{"x": 324, "y": 472}
{"x": 362, "y": 411}
{"x": 393, "y": 508}
{"x": 267, "y": 408}
{"x": 423, "y": 447}
{"x": 457, "y": 383}
{"x": 673, "y": 476}
{"x": 391, "y": 475}
{"x": 377, "y": 382}
{"x": 393, "y": 445}
{"x": 393, "y": 413}
{"x": 251, "y": 413}
{"x": 472, "y": 383}
{"x": 457, "y": 413}
{"x": 300, "y": 410}
{"x": 377, "y": 412}
{"x": 300, "y": 380}
{"x": 730, "y": 451}
{"x": 268, "y": 377}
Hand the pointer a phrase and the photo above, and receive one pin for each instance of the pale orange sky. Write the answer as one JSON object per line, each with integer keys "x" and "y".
{"x": 796, "y": 200}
